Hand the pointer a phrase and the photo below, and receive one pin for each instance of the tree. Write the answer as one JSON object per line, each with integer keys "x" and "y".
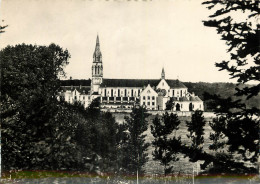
{"x": 165, "y": 147}
{"x": 2, "y": 28}
{"x": 240, "y": 126}
{"x": 29, "y": 85}
{"x": 242, "y": 38}
{"x": 135, "y": 155}
{"x": 169, "y": 104}
{"x": 196, "y": 132}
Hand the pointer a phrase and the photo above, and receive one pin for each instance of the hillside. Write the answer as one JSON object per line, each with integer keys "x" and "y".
{"x": 225, "y": 90}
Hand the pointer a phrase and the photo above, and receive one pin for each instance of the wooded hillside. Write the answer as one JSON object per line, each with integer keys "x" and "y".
{"x": 225, "y": 90}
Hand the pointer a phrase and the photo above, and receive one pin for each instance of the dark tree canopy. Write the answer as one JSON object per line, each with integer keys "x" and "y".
{"x": 136, "y": 146}
{"x": 237, "y": 125}
{"x": 165, "y": 147}
{"x": 242, "y": 38}
{"x": 29, "y": 111}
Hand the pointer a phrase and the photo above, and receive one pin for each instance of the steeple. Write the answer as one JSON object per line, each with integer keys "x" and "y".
{"x": 97, "y": 68}
{"x": 97, "y": 56}
{"x": 163, "y": 74}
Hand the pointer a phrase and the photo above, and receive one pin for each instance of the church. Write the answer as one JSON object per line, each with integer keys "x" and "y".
{"x": 153, "y": 94}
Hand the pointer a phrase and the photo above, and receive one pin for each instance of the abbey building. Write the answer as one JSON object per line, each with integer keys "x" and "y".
{"x": 125, "y": 93}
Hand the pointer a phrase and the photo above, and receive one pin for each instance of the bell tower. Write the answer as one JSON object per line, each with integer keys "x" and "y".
{"x": 97, "y": 68}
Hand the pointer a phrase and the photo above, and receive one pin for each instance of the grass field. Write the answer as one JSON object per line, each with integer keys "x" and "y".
{"x": 183, "y": 166}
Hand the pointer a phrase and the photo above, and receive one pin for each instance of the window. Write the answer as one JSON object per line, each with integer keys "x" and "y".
{"x": 143, "y": 97}
{"x": 148, "y": 97}
{"x": 143, "y": 103}
{"x": 148, "y": 103}
{"x": 152, "y": 103}
{"x": 172, "y": 92}
{"x": 75, "y": 97}
{"x": 152, "y": 97}
{"x": 83, "y": 97}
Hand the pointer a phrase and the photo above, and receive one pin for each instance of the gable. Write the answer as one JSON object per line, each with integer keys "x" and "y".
{"x": 148, "y": 91}
{"x": 163, "y": 85}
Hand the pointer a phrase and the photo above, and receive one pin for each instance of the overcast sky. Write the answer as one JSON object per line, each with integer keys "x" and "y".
{"x": 137, "y": 38}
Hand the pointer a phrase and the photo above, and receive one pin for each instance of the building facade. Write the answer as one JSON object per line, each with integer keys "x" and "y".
{"x": 126, "y": 93}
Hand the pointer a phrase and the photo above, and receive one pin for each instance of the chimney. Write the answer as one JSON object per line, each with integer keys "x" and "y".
{"x": 70, "y": 78}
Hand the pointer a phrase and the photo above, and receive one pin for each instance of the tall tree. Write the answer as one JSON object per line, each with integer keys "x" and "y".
{"x": 166, "y": 147}
{"x": 135, "y": 155}
{"x": 196, "y": 132}
{"x": 239, "y": 126}
{"x": 242, "y": 39}
{"x": 29, "y": 85}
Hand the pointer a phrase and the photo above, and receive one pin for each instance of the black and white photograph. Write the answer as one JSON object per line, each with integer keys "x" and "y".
{"x": 130, "y": 91}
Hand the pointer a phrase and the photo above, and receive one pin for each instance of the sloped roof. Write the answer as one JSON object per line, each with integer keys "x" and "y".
{"x": 175, "y": 84}
{"x": 139, "y": 83}
{"x": 187, "y": 99}
{"x": 76, "y": 82}
{"x": 82, "y": 90}
{"x": 128, "y": 82}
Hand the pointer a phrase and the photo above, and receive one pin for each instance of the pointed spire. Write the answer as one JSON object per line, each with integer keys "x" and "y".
{"x": 97, "y": 54}
{"x": 163, "y": 74}
{"x": 97, "y": 42}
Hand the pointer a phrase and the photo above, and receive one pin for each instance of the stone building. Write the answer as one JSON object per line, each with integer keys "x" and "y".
{"x": 126, "y": 93}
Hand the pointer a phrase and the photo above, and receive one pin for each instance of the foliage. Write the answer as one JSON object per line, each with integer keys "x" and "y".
{"x": 242, "y": 38}
{"x": 196, "y": 132}
{"x": 237, "y": 123}
{"x": 169, "y": 104}
{"x": 196, "y": 129}
{"x": 29, "y": 84}
{"x": 221, "y": 89}
{"x": 165, "y": 147}
{"x": 2, "y": 28}
{"x": 135, "y": 148}
{"x": 38, "y": 131}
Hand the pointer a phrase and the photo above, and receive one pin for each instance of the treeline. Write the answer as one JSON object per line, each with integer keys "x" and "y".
{"x": 224, "y": 90}
{"x": 39, "y": 132}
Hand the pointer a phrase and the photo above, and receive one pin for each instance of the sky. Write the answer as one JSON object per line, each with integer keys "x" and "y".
{"x": 137, "y": 38}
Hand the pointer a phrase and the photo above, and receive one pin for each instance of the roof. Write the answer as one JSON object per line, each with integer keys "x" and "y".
{"x": 83, "y": 89}
{"x": 175, "y": 84}
{"x": 191, "y": 99}
{"x": 139, "y": 83}
{"x": 76, "y": 82}
{"x": 128, "y": 82}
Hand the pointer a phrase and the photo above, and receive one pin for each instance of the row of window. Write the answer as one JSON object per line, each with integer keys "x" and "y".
{"x": 149, "y": 103}
{"x": 149, "y": 97}
{"x": 120, "y": 92}
{"x": 75, "y": 97}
